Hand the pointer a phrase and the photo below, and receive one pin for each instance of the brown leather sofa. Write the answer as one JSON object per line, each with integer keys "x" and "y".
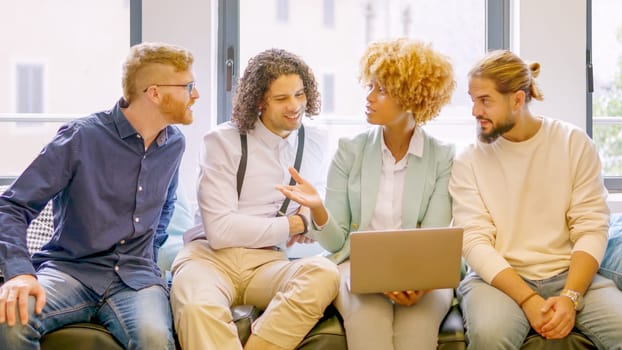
{"x": 328, "y": 334}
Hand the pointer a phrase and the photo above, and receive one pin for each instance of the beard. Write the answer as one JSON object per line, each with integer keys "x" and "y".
{"x": 497, "y": 130}
{"x": 176, "y": 111}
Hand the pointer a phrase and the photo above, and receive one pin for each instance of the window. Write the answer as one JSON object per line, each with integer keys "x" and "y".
{"x": 29, "y": 88}
{"x": 456, "y": 28}
{"x": 605, "y": 46}
{"x": 50, "y": 72}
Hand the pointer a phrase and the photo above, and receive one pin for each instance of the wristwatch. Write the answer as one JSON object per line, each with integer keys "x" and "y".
{"x": 305, "y": 222}
{"x": 575, "y": 297}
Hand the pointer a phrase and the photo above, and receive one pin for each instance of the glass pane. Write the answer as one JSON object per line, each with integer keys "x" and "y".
{"x": 607, "y": 98}
{"x": 61, "y": 60}
{"x": 454, "y": 27}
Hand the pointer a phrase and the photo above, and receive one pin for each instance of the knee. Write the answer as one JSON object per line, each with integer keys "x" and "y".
{"x": 324, "y": 272}
{"x": 192, "y": 312}
{"x": 491, "y": 334}
{"x": 155, "y": 337}
{"x": 18, "y": 336}
{"x": 154, "y": 332}
{"x": 364, "y": 307}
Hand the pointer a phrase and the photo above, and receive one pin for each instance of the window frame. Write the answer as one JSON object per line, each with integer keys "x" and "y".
{"x": 136, "y": 22}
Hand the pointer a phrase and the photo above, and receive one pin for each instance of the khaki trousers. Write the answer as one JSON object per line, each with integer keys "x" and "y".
{"x": 373, "y": 322}
{"x": 206, "y": 283}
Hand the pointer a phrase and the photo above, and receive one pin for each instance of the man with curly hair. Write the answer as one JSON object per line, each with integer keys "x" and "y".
{"x": 112, "y": 177}
{"x": 531, "y": 200}
{"x": 235, "y": 255}
{"x": 392, "y": 176}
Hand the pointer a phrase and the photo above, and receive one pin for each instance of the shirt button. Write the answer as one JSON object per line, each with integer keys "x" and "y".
{"x": 137, "y": 136}
{"x": 122, "y": 241}
{"x": 140, "y": 188}
{"x": 137, "y": 219}
{"x": 116, "y": 268}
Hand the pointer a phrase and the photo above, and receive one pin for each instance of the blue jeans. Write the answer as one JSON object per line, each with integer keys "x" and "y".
{"x": 493, "y": 320}
{"x": 137, "y": 319}
{"x": 611, "y": 266}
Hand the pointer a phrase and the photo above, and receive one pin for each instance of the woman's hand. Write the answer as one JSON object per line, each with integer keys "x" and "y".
{"x": 406, "y": 298}
{"x": 302, "y": 192}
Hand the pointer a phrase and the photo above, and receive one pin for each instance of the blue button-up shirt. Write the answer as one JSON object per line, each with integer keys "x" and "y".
{"x": 112, "y": 202}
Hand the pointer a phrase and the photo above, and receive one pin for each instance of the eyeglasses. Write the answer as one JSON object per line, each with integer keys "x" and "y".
{"x": 189, "y": 87}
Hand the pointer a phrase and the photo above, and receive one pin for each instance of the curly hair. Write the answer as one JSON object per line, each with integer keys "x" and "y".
{"x": 510, "y": 73}
{"x": 420, "y": 79}
{"x": 142, "y": 62}
{"x": 261, "y": 71}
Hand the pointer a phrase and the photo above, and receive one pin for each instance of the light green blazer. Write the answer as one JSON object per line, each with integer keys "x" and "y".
{"x": 352, "y": 188}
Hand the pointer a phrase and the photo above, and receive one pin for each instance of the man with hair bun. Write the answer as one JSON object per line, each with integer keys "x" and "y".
{"x": 531, "y": 200}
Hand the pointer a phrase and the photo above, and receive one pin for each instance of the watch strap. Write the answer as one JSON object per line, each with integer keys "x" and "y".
{"x": 573, "y": 295}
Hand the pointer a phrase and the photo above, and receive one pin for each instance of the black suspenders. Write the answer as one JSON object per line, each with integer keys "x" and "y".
{"x": 244, "y": 160}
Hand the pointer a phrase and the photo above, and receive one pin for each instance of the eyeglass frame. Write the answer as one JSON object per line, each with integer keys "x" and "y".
{"x": 189, "y": 86}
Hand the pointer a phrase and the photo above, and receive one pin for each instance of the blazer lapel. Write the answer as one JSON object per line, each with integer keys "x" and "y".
{"x": 413, "y": 189}
{"x": 370, "y": 176}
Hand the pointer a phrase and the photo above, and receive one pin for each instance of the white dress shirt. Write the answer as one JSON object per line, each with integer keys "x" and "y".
{"x": 388, "y": 211}
{"x": 251, "y": 221}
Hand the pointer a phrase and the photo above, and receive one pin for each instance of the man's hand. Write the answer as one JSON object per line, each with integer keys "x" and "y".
{"x": 563, "y": 320}
{"x": 406, "y": 298}
{"x": 302, "y": 239}
{"x": 536, "y": 314}
{"x": 15, "y": 292}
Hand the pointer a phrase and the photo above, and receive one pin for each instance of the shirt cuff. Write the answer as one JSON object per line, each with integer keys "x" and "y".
{"x": 15, "y": 267}
{"x": 317, "y": 227}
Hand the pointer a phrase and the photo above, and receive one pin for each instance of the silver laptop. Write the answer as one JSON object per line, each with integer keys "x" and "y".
{"x": 405, "y": 259}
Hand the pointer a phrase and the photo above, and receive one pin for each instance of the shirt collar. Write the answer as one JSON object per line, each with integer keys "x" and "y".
{"x": 271, "y": 139}
{"x": 415, "y": 147}
{"x": 125, "y": 129}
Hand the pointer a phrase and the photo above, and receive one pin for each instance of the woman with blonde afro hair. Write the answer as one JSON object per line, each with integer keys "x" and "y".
{"x": 418, "y": 78}
{"x": 392, "y": 176}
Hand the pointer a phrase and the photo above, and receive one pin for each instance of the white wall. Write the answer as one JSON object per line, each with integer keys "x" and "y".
{"x": 191, "y": 24}
{"x": 553, "y": 32}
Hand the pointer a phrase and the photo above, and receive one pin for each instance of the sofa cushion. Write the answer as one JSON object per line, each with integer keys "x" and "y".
{"x": 41, "y": 228}
{"x": 574, "y": 341}
{"x": 87, "y": 335}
